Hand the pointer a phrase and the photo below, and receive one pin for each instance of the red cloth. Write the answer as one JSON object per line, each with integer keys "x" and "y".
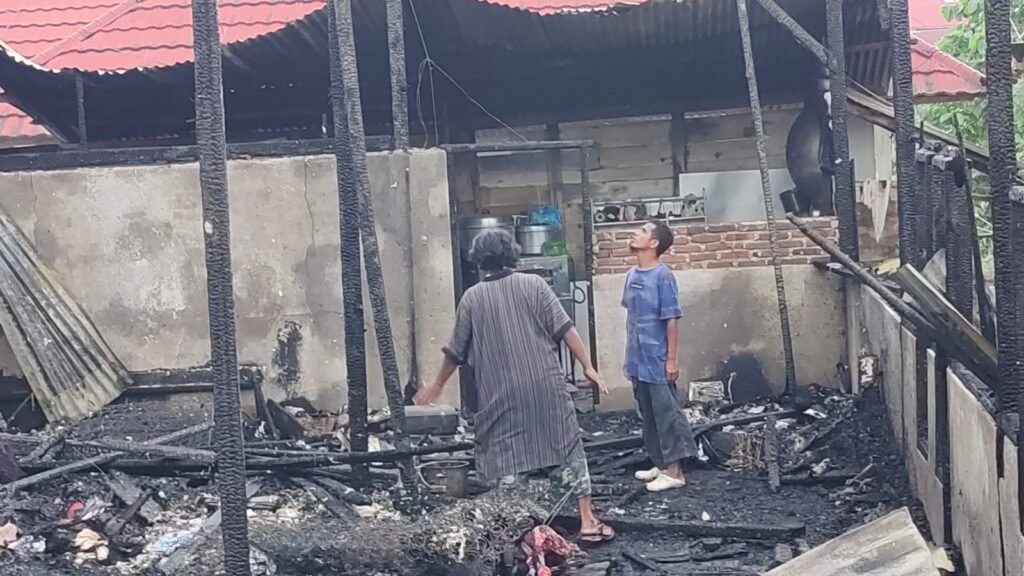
{"x": 541, "y": 542}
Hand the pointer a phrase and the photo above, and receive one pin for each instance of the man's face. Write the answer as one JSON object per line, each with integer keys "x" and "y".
{"x": 643, "y": 238}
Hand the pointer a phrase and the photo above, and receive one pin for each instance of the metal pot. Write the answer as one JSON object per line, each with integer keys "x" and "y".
{"x": 472, "y": 226}
{"x": 532, "y": 237}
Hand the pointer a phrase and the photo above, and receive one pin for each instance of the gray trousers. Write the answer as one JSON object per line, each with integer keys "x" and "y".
{"x": 668, "y": 437}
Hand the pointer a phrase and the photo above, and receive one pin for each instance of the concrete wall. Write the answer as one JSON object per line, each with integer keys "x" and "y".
{"x": 982, "y": 498}
{"x": 128, "y": 244}
{"x": 729, "y": 313}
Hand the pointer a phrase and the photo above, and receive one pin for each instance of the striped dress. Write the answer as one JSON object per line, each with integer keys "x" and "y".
{"x": 508, "y": 329}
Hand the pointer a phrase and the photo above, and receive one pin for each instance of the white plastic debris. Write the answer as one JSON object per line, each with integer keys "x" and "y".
{"x": 705, "y": 516}
{"x": 87, "y": 540}
{"x": 815, "y": 413}
{"x": 8, "y": 534}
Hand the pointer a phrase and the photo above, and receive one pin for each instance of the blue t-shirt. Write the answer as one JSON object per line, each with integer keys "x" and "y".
{"x": 651, "y": 299}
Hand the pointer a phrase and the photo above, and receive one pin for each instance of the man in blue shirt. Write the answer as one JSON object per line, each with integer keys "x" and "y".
{"x": 651, "y": 299}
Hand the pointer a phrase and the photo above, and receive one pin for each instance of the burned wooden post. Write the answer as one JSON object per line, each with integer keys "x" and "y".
{"x": 1007, "y": 223}
{"x": 212, "y": 144}
{"x": 348, "y": 70}
{"x": 845, "y": 193}
{"x": 769, "y": 205}
{"x": 903, "y": 110}
{"x": 399, "y": 86}
{"x": 351, "y": 261}
{"x": 1005, "y": 216}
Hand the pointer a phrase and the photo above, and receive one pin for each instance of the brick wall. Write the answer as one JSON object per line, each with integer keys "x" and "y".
{"x": 713, "y": 246}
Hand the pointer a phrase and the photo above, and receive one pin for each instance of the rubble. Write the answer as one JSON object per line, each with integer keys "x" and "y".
{"x": 145, "y": 506}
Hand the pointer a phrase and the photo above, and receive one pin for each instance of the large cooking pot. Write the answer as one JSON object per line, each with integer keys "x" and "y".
{"x": 532, "y": 237}
{"x": 472, "y": 226}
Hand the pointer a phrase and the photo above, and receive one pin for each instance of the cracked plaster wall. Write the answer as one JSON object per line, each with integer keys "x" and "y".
{"x": 127, "y": 243}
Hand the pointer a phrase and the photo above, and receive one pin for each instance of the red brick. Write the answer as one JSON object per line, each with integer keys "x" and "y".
{"x": 698, "y": 265}
{"x": 717, "y": 247}
{"x": 706, "y": 238}
{"x": 603, "y": 236}
{"x": 778, "y": 236}
{"x": 696, "y": 229}
{"x": 807, "y": 252}
{"x": 785, "y": 226}
{"x": 688, "y": 248}
{"x": 680, "y": 240}
{"x": 604, "y": 253}
{"x": 752, "y": 227}
{"x": 795, "y": 260}
{"x": 819, "y": 223}
{"x": 605, "y": 270}
{"x": 734, "y": 255}
{"x": 703, "y": 257}
{"x": 624, "y": 235}
{"x": 679, "y": 265}
{"x": 753, "y": 263}
{"x": 622, "y": 252}
{"x": 823, "y": 258}
{"x": 718, "y": 228}
{"x": 739, "y": 237}
{"x": 675, "y": 258}
{"x": 790, "y": 244}
{"x": 721, "y": 264}
{"x": 759, "y": 245}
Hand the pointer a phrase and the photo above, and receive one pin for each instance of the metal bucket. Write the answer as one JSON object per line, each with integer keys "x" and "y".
{"x": 450, "y": 475}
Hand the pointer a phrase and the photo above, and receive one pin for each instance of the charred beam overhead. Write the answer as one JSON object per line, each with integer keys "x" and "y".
{"x": 802, "y": 36}
{"x": 56, "y": 159}
{"x": 762, "y": 161}
{"x": 212, "y": 144}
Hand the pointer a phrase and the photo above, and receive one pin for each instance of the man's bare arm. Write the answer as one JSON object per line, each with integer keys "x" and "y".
{"x": 672, "y": 363}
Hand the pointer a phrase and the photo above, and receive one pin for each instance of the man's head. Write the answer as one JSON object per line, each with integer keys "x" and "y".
{"x": 654, "y": 235}
{"x": 494, "y": 250}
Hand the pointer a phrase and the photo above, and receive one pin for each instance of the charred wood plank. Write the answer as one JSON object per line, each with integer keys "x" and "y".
{"x": 116, "y": 525}
{"x": 333, "y": 505}
{"x": 129, "y": 492}
{"x": 802, "y": 36}
{"x": 780, "y": 531}
{"x": 95, "y": 461}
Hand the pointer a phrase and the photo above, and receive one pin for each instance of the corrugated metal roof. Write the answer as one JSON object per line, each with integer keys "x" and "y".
{"x": 552, "y": 30}
{"x": 939, "y": 77}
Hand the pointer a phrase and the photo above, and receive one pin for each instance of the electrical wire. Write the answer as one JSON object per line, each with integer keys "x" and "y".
{"x": 431, "y": 65}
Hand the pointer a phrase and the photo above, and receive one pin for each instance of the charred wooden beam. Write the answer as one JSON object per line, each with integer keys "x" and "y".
{"x": 802, "y": 36}
{"x": 348, "y": 69}
{"x": 159, "y": 155}
{"x": 95, "y": 461}
{"x": 769, "y": 208}
{"x": 351, "y": 261}
{"x": 845, "y": 192}
{"x": 399, "y": 83}
{"x": 212, "y": 141}
{"x": 779, "y": 531}
{"x": 83, "y": 137}
{"x": 903, "y": 112}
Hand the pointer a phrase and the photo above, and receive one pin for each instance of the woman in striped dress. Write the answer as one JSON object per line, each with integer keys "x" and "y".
{"x": 508, "y": 330}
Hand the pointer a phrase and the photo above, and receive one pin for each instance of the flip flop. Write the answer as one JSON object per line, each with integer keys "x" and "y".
{"x": 601, "y": 534}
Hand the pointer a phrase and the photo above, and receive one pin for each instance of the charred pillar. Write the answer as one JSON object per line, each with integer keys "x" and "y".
{"x": 83, "y": 133}
{"x": 351, "y": 262}
{"x": 1000, "y": 123}
{"x": 903, "y": 110}
{"x": 845, "y": 192}
{"x": 212, "y": 144}
{"x": 349, "y": 72}
{"x": 769, "y": 205}
{"x": 399, "y": 85}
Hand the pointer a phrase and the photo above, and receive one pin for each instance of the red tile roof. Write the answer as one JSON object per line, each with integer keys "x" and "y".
{"x": 939, "y": 77}
{"x": 124, "y": 34}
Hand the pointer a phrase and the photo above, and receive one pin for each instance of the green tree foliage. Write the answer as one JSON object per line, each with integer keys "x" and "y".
{"x": 966, "y": 41}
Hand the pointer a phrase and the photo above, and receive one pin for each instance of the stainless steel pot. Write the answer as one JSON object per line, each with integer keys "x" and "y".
{"x": 472, "y": 226}
{"x": 532, "y": 237}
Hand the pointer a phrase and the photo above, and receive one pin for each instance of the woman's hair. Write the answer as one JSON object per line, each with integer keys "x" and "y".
{"x": 494, "y": 250}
